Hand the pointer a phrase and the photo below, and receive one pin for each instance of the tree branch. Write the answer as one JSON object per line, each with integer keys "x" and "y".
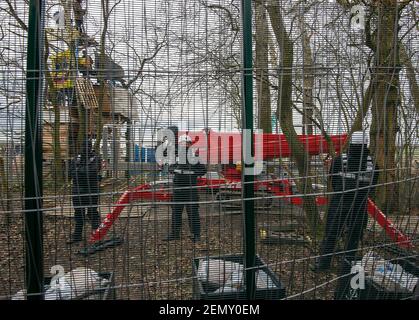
{"x": 14, "y": 14}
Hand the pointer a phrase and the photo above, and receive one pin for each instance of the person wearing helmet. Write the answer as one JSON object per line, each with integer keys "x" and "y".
{"x": 85, "y": 64}
{"x": 353, "y": 176}
{"x": 84, "y": 172}
{"x": 185, "y": 192}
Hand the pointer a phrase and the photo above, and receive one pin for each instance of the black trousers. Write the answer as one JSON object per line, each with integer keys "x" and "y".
{"x": 347, "y": 211}
{"x": 83, "y": 203}
{"x": 192, "y": 208}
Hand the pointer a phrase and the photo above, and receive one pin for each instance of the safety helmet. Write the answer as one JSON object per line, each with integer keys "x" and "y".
{"x": 185, "y": 139}
{"x": 238, "y": 166}
{"x": 359, "y": 137}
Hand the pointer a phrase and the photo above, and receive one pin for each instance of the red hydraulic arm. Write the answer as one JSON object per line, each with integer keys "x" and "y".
{"x": 143, "y": 192}
{"x": 396, "y": 235}
{"x": 226, "y": 147}
{"x": 274, "y": 146}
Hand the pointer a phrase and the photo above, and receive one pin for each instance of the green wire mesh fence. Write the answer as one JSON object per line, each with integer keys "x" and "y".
{"x": 128, "y": 214}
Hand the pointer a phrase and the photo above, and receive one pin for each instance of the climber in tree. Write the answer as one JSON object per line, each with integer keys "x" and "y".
{"x": 85, "y": 64}
{"x": 79, "y": 14}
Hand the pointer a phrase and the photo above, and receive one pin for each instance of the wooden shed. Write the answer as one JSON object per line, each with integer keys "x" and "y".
{"x": 118, "y": 103}
{"x": 66, "y": 124}
{"x": 119, "y": 106}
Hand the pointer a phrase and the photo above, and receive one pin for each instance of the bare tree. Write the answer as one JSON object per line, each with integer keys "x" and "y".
{"x": 262, "y": 67}
{"x": 382, "y": 96}
{"x": 285, "y": 117}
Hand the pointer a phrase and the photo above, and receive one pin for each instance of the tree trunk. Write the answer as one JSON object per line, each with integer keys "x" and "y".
{"x": 5, "y": 189}
{"x": 308, "y": 79}
{"x": 262, "y": 68}
{"x": 411, "y": 76}
{"x": 102, "y": 72}
{"x": 284, "y": 114}
{"x": 128, "y": 147}
{"x": 385, "y": 102}
{"x": 81, "y": 123}
{"x": 52, "y": 93}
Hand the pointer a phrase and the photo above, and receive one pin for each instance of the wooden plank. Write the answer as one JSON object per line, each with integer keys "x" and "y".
{"x": 48, "y": 140}
{"x": 106, "y": 103}
{"x": 86, "y": 94}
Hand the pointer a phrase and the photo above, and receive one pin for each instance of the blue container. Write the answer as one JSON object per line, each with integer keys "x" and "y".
{"x": 148, "y": 155}
{"x": 137, "y": 153}
{"x": 144, "y": 154}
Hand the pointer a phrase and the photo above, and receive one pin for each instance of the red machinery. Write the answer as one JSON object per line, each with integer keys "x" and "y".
{"x": 229, "y": 147}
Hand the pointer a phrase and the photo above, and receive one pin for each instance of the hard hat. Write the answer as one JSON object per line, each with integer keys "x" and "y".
{"x": 185, "y": 139}
{"x": 359, "y": 137}
{"x": 238, "y": 166}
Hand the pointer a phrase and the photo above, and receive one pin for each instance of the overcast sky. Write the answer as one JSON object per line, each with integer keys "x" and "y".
{"x": 165, "y": 97}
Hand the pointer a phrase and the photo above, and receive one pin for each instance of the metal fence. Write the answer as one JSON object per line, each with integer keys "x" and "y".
{"x": 298, "y": 82}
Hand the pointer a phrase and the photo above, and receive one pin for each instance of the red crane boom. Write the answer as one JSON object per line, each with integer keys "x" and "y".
{"x": 228, "y": 151}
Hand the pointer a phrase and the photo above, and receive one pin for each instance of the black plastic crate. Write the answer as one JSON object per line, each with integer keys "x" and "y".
{"x": 372, "y": 290}
{"x": 106, "y": 293}
{"x": 205, "y": 292}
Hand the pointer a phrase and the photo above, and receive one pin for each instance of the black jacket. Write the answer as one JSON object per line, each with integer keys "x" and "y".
{"x": 186, "y": 175}
{"x": 84, "y": 172}
{"x": 354, "y": 170}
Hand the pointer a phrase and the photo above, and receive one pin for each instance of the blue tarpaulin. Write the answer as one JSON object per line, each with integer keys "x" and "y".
{"x": 144, "y": 154}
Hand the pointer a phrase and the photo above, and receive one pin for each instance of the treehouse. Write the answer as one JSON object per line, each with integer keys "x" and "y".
{"x": 118, "y": 107}
{"x": 66, "y": 126}
{"x": 60, "y": 65}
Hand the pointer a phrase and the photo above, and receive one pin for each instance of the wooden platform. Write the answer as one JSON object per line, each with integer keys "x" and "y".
{"x": 86, "y": 94}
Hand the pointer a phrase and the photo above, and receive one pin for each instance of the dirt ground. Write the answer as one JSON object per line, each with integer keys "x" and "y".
{"x": 146, "y": 267}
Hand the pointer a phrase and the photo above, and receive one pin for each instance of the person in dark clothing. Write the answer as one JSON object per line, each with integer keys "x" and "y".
{"x": 84, "y": 171}
{"x": 353, "y": 176}
{"x": 416, "y": 291}
{"x": 185, "y": 194}
{"x": 85, "y": 64}
{"x": 79, "y": 14}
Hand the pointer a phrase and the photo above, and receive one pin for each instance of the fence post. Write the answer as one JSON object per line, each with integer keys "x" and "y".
{"x": 247, "y": 123}
{"x": 33, "y": 158}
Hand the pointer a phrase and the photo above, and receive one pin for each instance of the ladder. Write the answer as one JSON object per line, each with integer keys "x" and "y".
{"x": 87, "y": 99}
{"x": 85, "y": 94}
